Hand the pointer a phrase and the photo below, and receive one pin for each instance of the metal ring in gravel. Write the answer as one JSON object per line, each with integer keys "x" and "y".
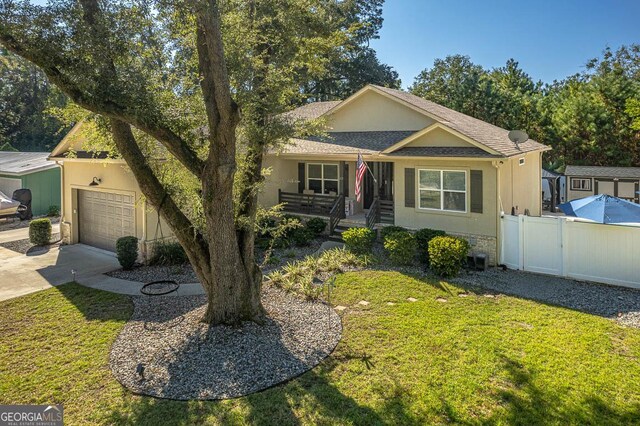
{"x": 186, "y": 359}
{"x": 159, "y": 288}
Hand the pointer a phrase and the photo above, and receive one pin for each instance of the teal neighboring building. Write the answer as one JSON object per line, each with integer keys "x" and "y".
{"x": 31, "y": 170}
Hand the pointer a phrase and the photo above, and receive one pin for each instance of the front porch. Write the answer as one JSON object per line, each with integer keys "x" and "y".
{"x": 337, "y": 210}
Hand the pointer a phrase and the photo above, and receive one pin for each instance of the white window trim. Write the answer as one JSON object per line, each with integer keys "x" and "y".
{"x": 442, "y": 190}
{"x": 573, "y": 187}
{"x": 322, "y": 178}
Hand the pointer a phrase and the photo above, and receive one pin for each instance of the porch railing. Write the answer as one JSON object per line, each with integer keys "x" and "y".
{"x": 336, "y": 213}
{"x": 373, "y": 215}
{"x": 316, "y": 204}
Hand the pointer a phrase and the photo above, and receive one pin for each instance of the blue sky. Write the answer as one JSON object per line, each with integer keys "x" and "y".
{"x": 550, "y": 39}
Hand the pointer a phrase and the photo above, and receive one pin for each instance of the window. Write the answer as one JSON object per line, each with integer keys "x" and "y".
{"x": 521, "y": 162}
{"x": 580, "y": 184}
{"x": 322, "y": 178}
{"x": 443, "y": 190}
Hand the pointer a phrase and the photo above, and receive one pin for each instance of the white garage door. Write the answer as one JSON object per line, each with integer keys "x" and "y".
{"x": 104, "y": 217}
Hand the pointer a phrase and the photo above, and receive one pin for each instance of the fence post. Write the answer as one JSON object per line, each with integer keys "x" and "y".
{"x": 564, "y": 247}
{"x": 521, "y": 228}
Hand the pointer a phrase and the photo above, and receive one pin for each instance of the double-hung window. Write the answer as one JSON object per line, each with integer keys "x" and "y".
{"x": 442, "y": 190}
{"x": 322, "y": 178}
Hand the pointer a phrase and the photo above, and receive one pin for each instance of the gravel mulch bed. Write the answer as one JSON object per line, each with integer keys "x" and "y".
{"x": 9, "y": 224}
{"x": 186, "y": 359}
{"x": 619, "y": 303}
{"x": 182, "y": 274}
{"x": 25, "y": 246}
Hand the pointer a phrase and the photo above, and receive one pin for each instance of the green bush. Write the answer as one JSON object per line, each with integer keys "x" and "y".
{"x": 168, "y": 253}
{"x": 53, "y": 211}
{"x": 387, "y": 230}
{"x": 359, "y": 240}
{"x": 447, "y": 255}
{"x": 401, "y": 247}
{"x": 127, "y": 251}
{"x": 40, "y": 232}
{"x": 423, "y": 237}
{"x": 316, "y": 225}
{"x": 302, "y": 236}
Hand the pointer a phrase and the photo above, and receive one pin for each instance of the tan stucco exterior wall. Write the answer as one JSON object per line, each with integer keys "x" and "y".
{"x": 374, "y": 112}
{"x": 521, "y": 185}
{"x": 116, "y": 178}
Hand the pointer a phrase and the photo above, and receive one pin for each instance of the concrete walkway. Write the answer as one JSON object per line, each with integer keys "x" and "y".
{"x": 22, "y": 233}
{"x": 23, "y": 274}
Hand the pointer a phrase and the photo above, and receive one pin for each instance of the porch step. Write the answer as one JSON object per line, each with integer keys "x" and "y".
{"x": 340, "y": 228}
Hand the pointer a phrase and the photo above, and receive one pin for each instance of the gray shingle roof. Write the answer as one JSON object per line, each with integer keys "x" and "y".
{"x": 442, "y": 151}
{"x": 311, "y": 111}
{"x": 491, "y": 136}
{"x": 22, "y": 163}
{"x": 603, "y": 171}
{"x": 347, "y": 142}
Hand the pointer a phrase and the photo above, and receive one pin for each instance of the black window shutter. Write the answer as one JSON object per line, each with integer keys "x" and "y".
{"x": 409, "y": 187}
{"x": 345, "y": 178}
{"x": 476, "y": 191}
{"x": 301, "y": 179}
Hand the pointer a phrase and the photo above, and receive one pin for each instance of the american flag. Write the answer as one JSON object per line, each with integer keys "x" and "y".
{"x": 361, "y": 167}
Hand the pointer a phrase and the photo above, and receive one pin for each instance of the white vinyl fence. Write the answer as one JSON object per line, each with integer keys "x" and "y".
{"x": 560, "y": 246}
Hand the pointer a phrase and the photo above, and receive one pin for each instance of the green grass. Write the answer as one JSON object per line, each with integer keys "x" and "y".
{"x": 469, "y": 360}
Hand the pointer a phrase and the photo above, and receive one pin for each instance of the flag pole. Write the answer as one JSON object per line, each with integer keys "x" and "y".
{"x": 367, "y": 164}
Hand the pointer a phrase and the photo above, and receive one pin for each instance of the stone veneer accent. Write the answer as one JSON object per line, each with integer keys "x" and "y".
{"x": 481, "y": 244}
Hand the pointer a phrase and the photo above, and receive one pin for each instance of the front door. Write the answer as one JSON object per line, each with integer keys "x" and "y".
{"x": 378, "y": 182}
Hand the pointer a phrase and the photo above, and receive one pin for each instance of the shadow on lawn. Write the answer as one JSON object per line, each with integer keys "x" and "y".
{"x": 309, "y": 399}
{"x": 520, "y": 401}
{"x": 97, "y": 304}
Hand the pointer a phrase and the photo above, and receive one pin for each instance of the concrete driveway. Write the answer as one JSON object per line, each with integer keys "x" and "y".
{"x": 23, "y": 274}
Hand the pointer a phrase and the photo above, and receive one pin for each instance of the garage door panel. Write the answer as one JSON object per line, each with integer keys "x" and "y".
{"x": 104, "y": 217}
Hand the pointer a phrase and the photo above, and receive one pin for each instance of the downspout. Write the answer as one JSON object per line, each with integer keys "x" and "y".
{"x": 499, "y": 214}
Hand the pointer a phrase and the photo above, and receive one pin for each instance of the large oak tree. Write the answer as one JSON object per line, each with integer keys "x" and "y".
{"x": 204, "y": 80}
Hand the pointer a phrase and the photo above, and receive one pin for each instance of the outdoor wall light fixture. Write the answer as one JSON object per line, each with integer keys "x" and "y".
{"x": 95, "y": 182}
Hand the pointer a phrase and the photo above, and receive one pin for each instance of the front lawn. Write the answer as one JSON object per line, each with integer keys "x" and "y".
{"x": 441, "y": 359}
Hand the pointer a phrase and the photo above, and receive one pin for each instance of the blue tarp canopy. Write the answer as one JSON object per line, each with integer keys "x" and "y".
{"x": 603, "y": 209}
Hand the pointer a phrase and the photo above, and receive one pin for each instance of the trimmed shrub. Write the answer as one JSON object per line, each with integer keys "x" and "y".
{"x": 447, "y": 255}
{"x": 40, "y": 232}
{"x": 401, "y": 247}
{"x": 316, "y": 225}
{"x": 359, "y": 240}
{"x": 168, "y": 253}
{"x": 127, "y": 251}
{"x": 53, "y": 211}
{"x": 423, "y": 237}
{"x": 387, "y": 230}
{"x": 302, "y": 236}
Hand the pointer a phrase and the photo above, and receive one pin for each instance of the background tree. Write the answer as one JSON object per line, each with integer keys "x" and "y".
{"x": 588, "y": 118}
{"x": 25, "y": 95}
{"x": 356, "y": 63}
{"x": 198, "y": 79}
